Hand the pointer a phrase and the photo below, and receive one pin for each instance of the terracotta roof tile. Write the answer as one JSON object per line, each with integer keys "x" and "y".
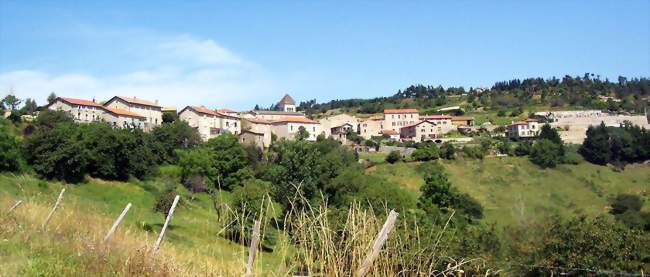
{"x": 138, "y": 101}
{"x": 388, "y": 132}
{"x": 287, "y": 100}
{"x": 79, "y": 102}
{"x": 123, "y": 112}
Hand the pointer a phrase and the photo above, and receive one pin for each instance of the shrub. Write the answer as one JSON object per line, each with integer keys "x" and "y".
{"x": 523, "y": 148}
{"x": 58, "y": 153}
{"x": 393, "y": 157}
{"x": 473, "y": 152}
{"x": 425, "y": 152}
{"x": 10, "y": 155}
{"x": 447, "y": 151}
{"x": 546, "y": 154}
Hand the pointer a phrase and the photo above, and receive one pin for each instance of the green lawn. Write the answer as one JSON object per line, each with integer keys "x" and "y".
{"x": 512, "y": 190}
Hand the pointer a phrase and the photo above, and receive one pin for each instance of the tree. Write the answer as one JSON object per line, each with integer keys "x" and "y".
{"x": 197, "y": 162}
{"x": 393, "y": 157}
{"x": 546, "y": 154}
{"x": 549, "y": 133}
{"x": 57, "y": 153}
{"x": 30, "y": 107}
{"x": 10, "y": 155}
{"x": 50, "y": 119}
{"x": 228, "y": 156}
{"x": 11, "y": 101}
{"x": 51, "y": 97}
{"x": 447, "y": 151}
{"x": 169, "y": 117}
{"x": 173, "y": 136}
{"x": 595, "y": 147}
{"x": 437, "y": 193}
{"x": 302, "y": 133}
{"x": 626, "y": 202}
{"x": 425, "y": 152}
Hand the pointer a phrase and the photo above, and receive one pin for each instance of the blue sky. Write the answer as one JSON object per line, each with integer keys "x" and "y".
{"x": 240, "y": 53}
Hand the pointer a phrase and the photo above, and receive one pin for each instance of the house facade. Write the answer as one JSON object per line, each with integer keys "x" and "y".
{"x": 258, "y": 126}
{"x": 253, "y": 138}
{"x": 330, "y": 122}
{"x": 523, "y": 129}
{"x": 340, "y": 133}
{"x": 462, "y": 120}
{"x": 371, "y": 127}
{"x": 288, "y": 127}
{"x": 392, "y": 134}
{"x": 80, "y": 110}
{"x": 425, "y": 130}
{"x": 394, "y": 119}
{"x": 209, "y": 123}
{"x": 151, "y": 111}
{"x": 123, "y": 118}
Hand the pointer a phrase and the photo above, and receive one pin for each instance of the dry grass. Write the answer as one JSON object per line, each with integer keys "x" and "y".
{"x": 308, "y": 244}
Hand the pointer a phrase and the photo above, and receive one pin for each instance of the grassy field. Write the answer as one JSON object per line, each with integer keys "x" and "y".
{"x": 193, "y": 237}
{"x": 513, "y": 190}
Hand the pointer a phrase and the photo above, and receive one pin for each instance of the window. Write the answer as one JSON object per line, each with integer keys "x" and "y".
{"x": 313, "y": 128}
{"x": 227, "y": 124}
{"x": 235, "y": 124}
{"x": 291, "y": 127}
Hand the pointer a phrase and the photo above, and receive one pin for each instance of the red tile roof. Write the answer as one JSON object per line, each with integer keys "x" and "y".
{"x": 416, "y": 124}
{"x": 389, "y": 111}
{"x": 388, "y": 132}
{"x": 138, "y": 101}
{"x": 295, "y": 119}
{"x": 123, "y": 112}
{"x": 258, "y": 121}
{"x": 79, "y": 102}
{"x": 376, "y": 117}
{"x": 518, "y": 123}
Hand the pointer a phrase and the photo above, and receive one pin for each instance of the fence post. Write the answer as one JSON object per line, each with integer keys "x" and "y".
{"x": 377, "y": 244}
{"x": 252, "y": 251}
{"x": 15, "y": 206}
{"x": 117, "y": 222}
{"x": 56, "y": 205}
{"x": 162, "y": 232}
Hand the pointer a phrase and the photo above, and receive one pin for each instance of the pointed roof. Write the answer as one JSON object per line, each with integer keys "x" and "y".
{"x": 287, "y": 100}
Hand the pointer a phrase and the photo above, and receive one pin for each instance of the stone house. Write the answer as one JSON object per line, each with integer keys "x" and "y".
{"x": 287, "y": 127}
{"x": 210, "y": 123}
{"x": 425, "y": 130}
{"x": 371, "y": 127}
{"x": 258, "y": 126}
{"x": 253, "y": 138}
{"x": 151, "y": 111}
{"x": 80, "y": 110}
{"x": 123, "y": 118}
{"x": 394, "y": 119}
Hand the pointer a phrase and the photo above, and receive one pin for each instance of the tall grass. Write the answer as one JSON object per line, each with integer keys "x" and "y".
{"x": 308, "y": 242}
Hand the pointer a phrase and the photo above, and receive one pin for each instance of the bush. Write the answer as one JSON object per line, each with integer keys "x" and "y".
{"x": 447, "y": 151}
{"x": 393, "y": 157}
{"x": 523, "y": 148}
{"x": 473, "y": 152}
{"x": 172, "y": 136}
{"x": 546, "y": 154}
{"x": 58, "y": 153}
{"x": 10, "y": 155}
{"x": 164, "y": 200}
{"x": 425, "y": 152}
{"x": 501, "y": 113}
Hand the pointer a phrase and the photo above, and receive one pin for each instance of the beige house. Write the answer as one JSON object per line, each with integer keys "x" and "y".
{"x": 425, "y": 130}
{"x": 394, "y": 119}
{"x": 340, "y": 133}
{"x": 123, "y": 118}
{"x": 151, "y": 111}
{"x": 209, "y": 123}
{"x": 228, "y": 112}
{"x": 330, "y": 122}
{"x": 81, "y": 110}
{"x": 253, "y": 138}
{"x": 258, "y": 126}
{"x": 287, "y": 127}
{"x": 371, "y": 127}
{"x": 444, "y": 122}
{"x": 523, "y": 129}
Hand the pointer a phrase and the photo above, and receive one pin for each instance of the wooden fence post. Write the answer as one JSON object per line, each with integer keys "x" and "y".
{"x": 117, "y": 222}
{"x": 377, "y": 244}
{"x": 162, "y": 232}
{"x": 56, "y": 205}
{"x": 252, "y": 251}
{"x": 15, "y": 206}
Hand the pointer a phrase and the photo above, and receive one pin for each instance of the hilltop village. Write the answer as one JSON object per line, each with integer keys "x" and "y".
{"x": 261, "y": 127}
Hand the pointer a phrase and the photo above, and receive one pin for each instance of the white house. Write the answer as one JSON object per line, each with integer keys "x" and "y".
{"x": 523, "y": 129}
{"x": 287, "y": 127}
{"x": 151, "y": 111}
{"x": 81, "y": 110}
{"x": 210, "y": 123}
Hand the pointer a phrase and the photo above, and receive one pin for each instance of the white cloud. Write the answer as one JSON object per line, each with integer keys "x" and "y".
{"x": 178, "y": 71}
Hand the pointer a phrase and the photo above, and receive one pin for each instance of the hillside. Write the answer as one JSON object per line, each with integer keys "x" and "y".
{"x": 512, "y": 190}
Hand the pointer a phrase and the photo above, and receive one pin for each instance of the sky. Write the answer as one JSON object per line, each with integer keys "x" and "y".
{"x": 237, "y": 54}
